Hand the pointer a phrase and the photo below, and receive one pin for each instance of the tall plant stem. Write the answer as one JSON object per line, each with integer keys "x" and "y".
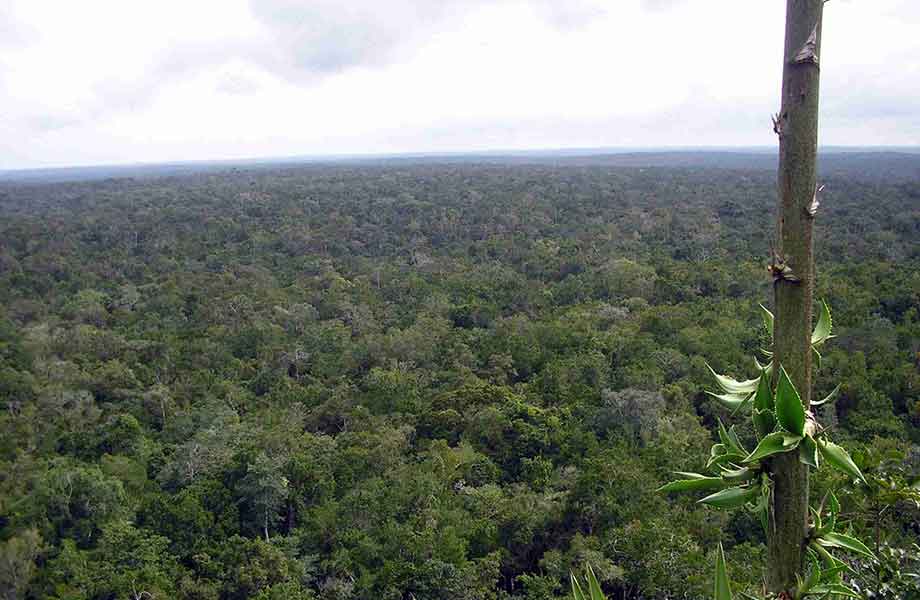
{"x": 793, "y": 269}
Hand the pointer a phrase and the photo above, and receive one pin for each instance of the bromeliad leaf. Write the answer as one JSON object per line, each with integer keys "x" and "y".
{"x": 738, "y": 475}
{"x": 722, "y": 588}
{"x": 593, "y": 586}
{"x": 818, "y": 357}
{"x": 730, "y": 439}
{"x": 790, "y": 440}
{"x": 577, "y": 592}
{"x": 771, "y": 444}
{"x": 762, "y": 413}
{"x": 833, "y": 505}
{"x": 732, "y": 497}
{"x": 822, "y": 331}
{"x": 767, "y": 320}
{"x": 789, "y": 410}
{"x": 832, "y": 574}
{"x": 808, "y": 452}
{"x": 814, "y": 577}
{"x": 693, "y": 483}
{"x": 829, "y": 398}
{"x": 826, "y": 590}
{"x": 732, "y": 402}
{"x": 720, "y": 454}
{"x": 839, "y": 540}
{"x": 730, "y": 386}
{"x": 764, "y": 422}
{"x": 840, "y": 459}
{"x": 763, "y": 397}
{"x": 834, "y": 564}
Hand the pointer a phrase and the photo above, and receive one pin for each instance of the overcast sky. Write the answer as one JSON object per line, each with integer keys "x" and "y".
{"x": 122, "y": 81}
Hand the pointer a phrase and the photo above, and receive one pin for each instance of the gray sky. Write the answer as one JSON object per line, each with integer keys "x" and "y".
{"x": 117, "y": 81}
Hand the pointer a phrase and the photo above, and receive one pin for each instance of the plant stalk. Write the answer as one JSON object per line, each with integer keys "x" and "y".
{"x": 797, "y": 128}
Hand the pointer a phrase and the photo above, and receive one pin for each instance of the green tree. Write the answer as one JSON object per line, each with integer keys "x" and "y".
{"x": 265, "y": 488}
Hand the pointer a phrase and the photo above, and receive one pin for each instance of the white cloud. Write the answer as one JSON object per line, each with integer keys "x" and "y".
{"x": 123, "y": 81}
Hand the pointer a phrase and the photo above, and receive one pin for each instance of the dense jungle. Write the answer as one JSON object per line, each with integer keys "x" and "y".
{"x": 429, "y": 380}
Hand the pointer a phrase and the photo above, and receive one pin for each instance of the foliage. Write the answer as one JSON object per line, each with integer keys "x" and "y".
{"x": 435, "y": 380}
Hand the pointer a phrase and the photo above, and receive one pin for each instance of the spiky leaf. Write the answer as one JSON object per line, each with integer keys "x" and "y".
{"x": 577, "y": 592}
{"x": 829, "y": 398}
{"x": 694, "y": 484}
{"x": 790, "y": 440}
{"x": 731, "y": 386}
{"x": 732, "y": 402}
{"x": 732, "y": 497}
{"x": 822, "y": 330}
{"x": 840, "y": 459}
{"x": 720, "y": 454}
{"x": 764, "y": 422}
{"x": 832, "y": 589}
{"x": 767, "y": 319}
{"x": 729, "y": 438}
{"x": 839, "y": 540}
{"x": 808, "y": 452}
{"x": 763, "y": 397}
{"x": 834, "y": 564}
{"x": 789, "y": 410}
{"x": 593, "y": 586}
{"x": 736, "y": 475}
{"x": 771, "y": 444}
{"x": 722, "y": 588}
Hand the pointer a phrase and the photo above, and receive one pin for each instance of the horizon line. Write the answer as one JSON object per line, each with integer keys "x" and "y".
{"x": 544, "y": 152}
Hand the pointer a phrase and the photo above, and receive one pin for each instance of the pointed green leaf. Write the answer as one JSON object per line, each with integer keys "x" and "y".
{"x": 816, "y": 517}
{"x": 829, "y": 398}
{"x": 594, "y": 586}
{"x": 736, "y": 475}
{"x": 767, "y": 319}
{"x": 808, "y": 452}
{"x": 763, "y": 398}
{"x": 722, "y": 589}
{"x": 689, "y": 475}
{"x": 817, "y": 357}
{"x": 725, "y": 459}
{"x": 832, "y": 574}
{"x": 789, "y": 410}
{"x": 840, "y": 459}
{"x": 764, "y": 422}
{"x": 833, "y": 589}
{"x": 720, "y": 455}
{"x": 577, "y": 592}
{"x": 723, "y": 433}
{"x": 822, "y": 330}
{"x": 730, "y": 440}
{"x": 732, "y": 402}
{"x": 732, "y": 497}
{"x": 833, "y": 505}
{"x": 730, "y": 386}
{"x": 685, "y": 485}
{"x": 829, "y": 525}
{"x": 768, "y": 446}
{"x": 736, "y": 441}
{"x": 814, "y": 577}
{"x": 835, "y": 565}
{"x": 790, "y": 440}
{"x": 839, "y": 540}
